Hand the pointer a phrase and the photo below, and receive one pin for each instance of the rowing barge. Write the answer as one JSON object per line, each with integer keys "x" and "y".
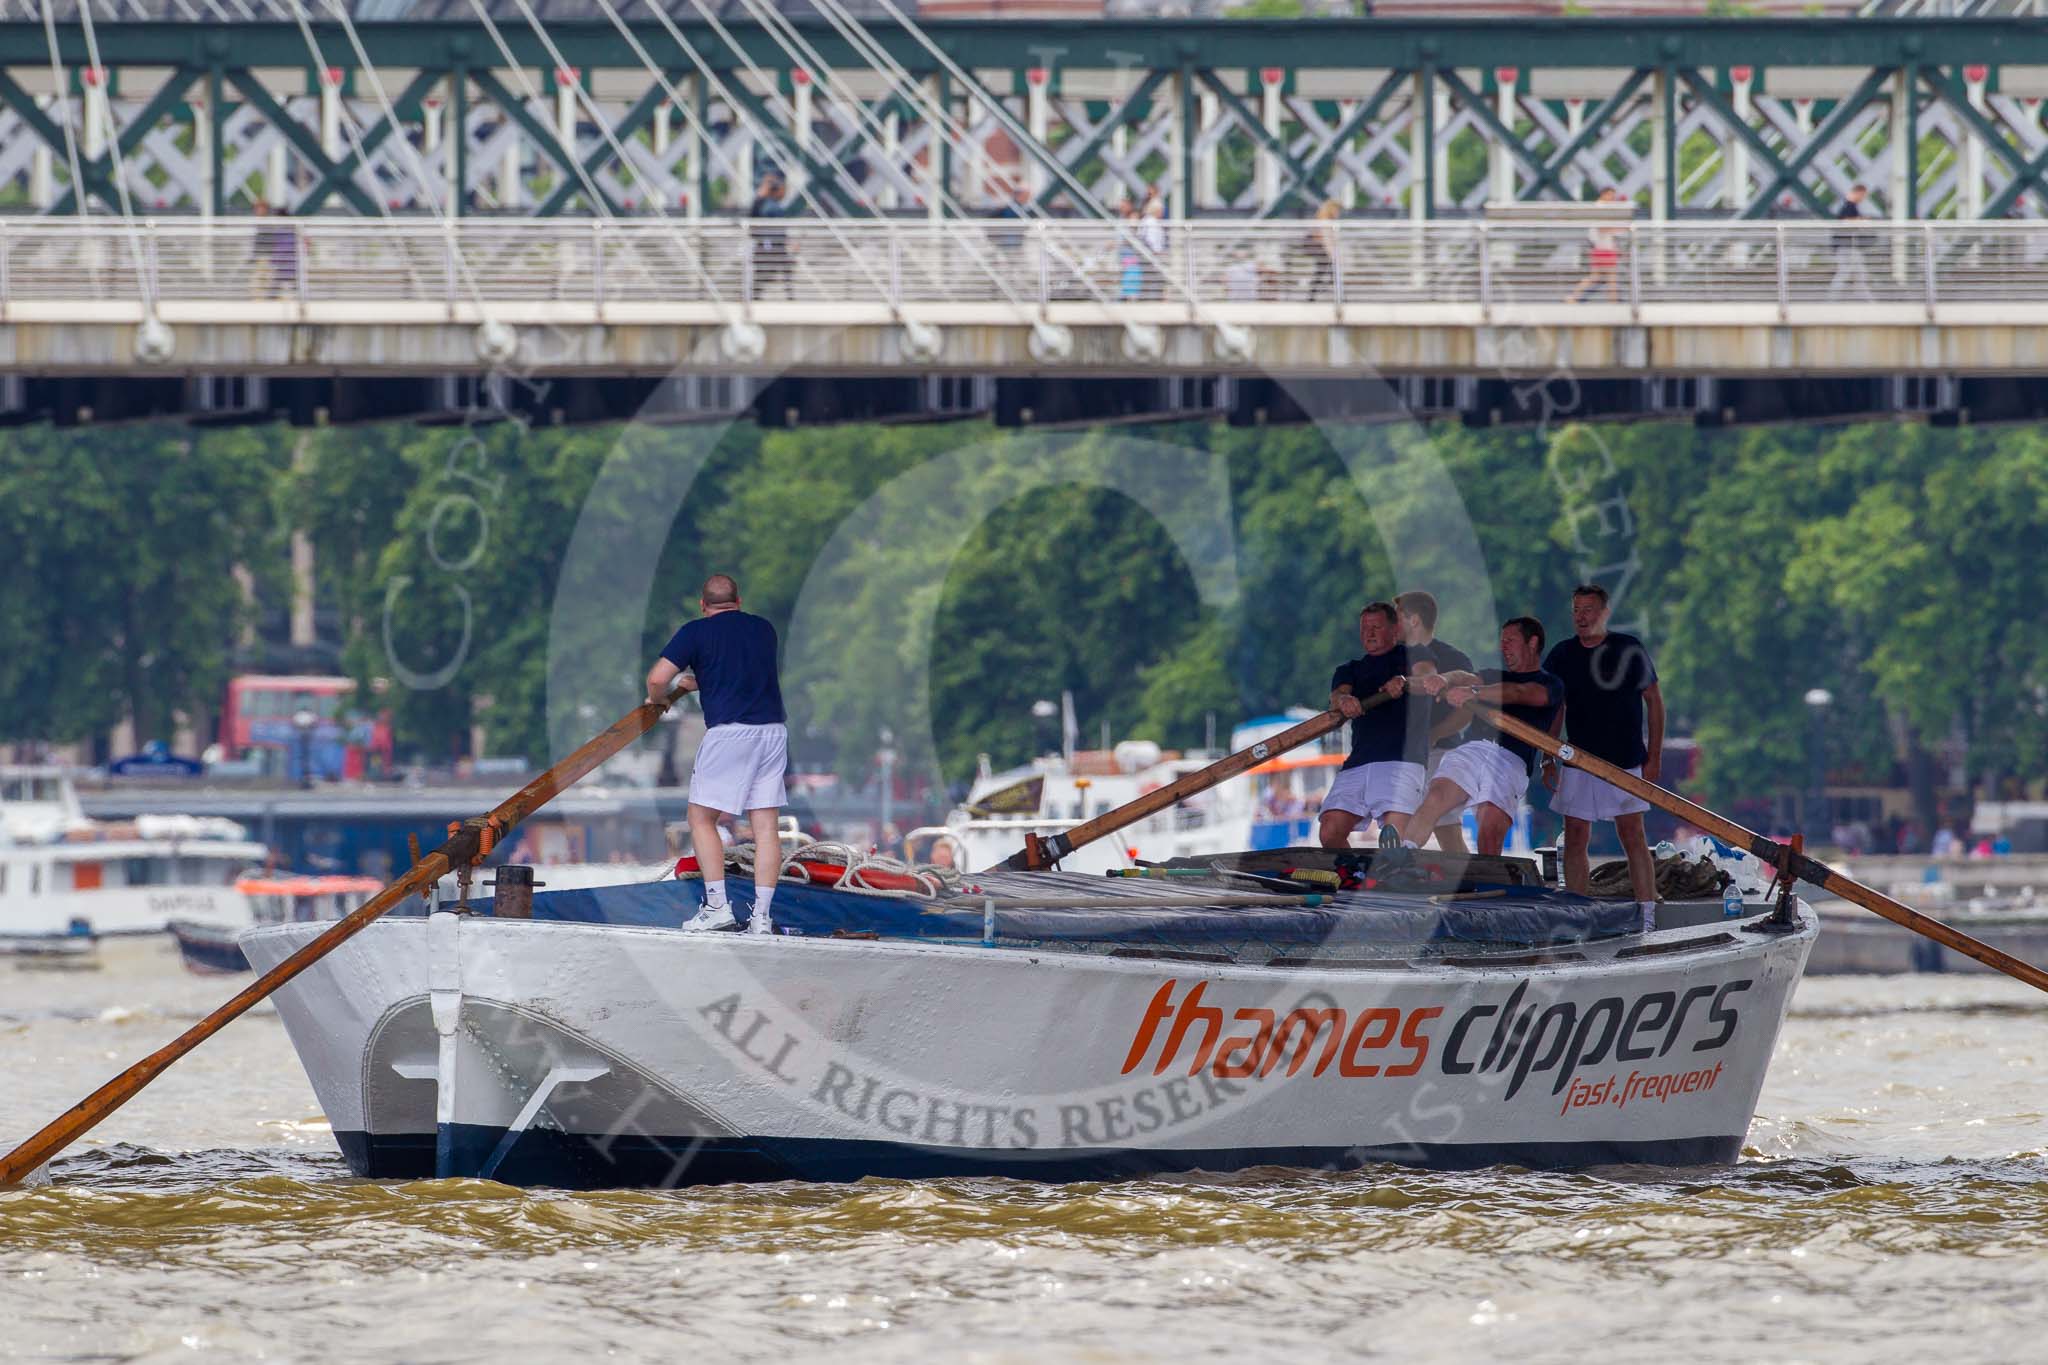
{"x": 1043, "y": 1025}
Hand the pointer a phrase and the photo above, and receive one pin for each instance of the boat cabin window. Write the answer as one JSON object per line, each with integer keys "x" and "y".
{"x": 31, "y": 789}
{"x": 142, "y": 871}
{"x": 196, "y": 871}
{"x": 35, "y": 879}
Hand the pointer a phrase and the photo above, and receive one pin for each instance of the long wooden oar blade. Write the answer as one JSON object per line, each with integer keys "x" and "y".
{"x": 1771, "y": 851}
{"x": 464, "y": 846}
{"x": 1038, "y": 854}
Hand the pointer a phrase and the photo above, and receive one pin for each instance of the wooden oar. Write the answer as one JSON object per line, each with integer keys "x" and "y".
{"x": 466, "y": 844}
{"x": 1040, "y": 853}
{"x": 1789, "y": 861}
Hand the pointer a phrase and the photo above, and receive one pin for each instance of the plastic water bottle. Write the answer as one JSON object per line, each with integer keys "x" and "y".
{"x": 1731, "y": 901}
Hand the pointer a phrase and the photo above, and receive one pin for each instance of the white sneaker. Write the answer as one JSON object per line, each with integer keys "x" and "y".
{"x": 708, "y": 918}
{"x": 760, "y": 923}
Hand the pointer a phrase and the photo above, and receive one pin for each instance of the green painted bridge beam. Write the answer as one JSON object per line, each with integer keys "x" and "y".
{"x": 1111, "y": 44}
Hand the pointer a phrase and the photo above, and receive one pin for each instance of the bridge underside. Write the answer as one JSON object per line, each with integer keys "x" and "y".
{"x": 1473, "y": 399}
{"x": 1585, "y": 340}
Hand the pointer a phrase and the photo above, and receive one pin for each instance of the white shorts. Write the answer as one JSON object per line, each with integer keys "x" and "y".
{"x": 1435, "y": 769}
{"x": 739, "y": 768}
{"x": 1487, "y": 773}
{"x": 1593, "y": 798}
{"x": 1374, "y": 789}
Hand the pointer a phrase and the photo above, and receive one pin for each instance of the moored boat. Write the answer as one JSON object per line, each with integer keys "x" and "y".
{"x": 1274, "y": 807}
{"x": 1858, "y": 945}
{"x": 1043, "y": 1025}
{"x": 62, "y": 874}
{"x": 210, "y": 948}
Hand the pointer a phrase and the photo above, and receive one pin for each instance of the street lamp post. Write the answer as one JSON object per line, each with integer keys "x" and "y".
{"x": 303, "y": 723}
{"x": 886, "y": 757}
{"x": 1818, "y": 700}
{"x": 1041, "y": 712}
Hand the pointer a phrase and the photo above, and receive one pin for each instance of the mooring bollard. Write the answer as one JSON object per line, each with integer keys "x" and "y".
{"x": 512, "y": 892}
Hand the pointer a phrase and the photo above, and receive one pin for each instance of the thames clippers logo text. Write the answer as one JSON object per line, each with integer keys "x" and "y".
{"x": 1181, "y": 1031}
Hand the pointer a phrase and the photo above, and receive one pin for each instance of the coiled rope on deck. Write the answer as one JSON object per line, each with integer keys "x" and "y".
{"x": 864, "y": 874}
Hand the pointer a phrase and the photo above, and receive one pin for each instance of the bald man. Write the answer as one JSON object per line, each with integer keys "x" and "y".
{"x": 727, "y": 656}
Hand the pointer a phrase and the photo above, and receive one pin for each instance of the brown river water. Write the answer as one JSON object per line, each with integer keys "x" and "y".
{"x": 1893, "y": 1204}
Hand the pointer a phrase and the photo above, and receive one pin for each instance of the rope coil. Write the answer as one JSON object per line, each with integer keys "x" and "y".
{"x": 866, "y": 872}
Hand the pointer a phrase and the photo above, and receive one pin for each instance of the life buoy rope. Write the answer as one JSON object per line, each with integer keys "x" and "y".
{"x": 844, "y": 867}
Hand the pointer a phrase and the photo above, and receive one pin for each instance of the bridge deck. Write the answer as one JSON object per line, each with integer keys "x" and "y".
{"x": 339, "y": 295}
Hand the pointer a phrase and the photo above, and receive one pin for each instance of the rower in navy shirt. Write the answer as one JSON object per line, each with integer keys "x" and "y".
{"x": 728, "y": 656}
{"x": 1426, "y": 655}
{"x": 1491, "y": 772}
{"x": 1382, "y": 777}
{"x": 1610, "y": 690}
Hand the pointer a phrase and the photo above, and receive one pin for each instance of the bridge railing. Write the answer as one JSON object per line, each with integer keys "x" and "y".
{"x": 1240, "y": 267}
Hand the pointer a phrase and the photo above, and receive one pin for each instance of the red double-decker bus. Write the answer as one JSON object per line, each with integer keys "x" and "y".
{"x": 344, "y": 741}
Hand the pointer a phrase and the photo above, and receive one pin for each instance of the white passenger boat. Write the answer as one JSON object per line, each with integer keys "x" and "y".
{"x": 1276, "y": 807}
{"x": 1044, "y": 1025}
{"x": 63, "y": 875}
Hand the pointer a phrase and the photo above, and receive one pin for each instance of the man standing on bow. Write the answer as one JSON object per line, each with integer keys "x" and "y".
{"x": 1609, "y": 683}
{"x": 1381, "y": 779}
{"x": 728, "y": 658}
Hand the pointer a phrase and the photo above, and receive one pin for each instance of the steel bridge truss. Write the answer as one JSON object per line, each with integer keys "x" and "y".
{"x": 1729, "y": 118}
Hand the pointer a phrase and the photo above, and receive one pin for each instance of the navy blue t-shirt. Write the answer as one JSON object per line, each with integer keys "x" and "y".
{"x": 1446, "y": 659}
{"x": 1603, "y": 695}
{"x": 1381, "y": 735}
{"x": 733, "y": 656}
{"x": 1538, "y": 716}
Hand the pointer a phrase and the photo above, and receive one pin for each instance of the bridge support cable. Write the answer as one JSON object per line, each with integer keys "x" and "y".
{"x": 358, "y": 150}
{"x": 750, "y": 342}
{"x": 496, "y": 343}
{"x": 874, "y": 132}
{"x": 1049, "y": 340}
{"x": 1140, "y": 343}
{"x": 739, "y": 97}
{"x": 741, "y": 337}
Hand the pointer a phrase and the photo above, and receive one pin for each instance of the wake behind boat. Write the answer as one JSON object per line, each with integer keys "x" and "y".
{"x": 1043, "y": 1025}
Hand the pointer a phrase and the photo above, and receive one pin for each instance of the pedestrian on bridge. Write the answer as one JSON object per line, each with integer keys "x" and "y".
{"x": 1603, "y": 254}
{"x": 1852, "y": 248}
{"x": 774, "y": 263}
{"x": 1321, "y": 245}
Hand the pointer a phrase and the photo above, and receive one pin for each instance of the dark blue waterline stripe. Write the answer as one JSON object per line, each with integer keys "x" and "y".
{"x": 573, "y": 1161}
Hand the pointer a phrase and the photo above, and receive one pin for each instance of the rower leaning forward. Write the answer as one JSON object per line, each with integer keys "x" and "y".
{"x": 1382, "y": 776}
{"x": 727, "y": 656}
{"x": 1489, "y": 774}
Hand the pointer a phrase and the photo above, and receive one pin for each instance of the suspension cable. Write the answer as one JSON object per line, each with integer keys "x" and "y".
{"x": 348, "y": 131}
{"x": 702, "y": 134}
{"x": 611, "y": 137}
{"x": 801, "y": 51}
{"x": 878, "y": 56}
{"x": 1023, "y": 138}
{"x": 62, "y": 104}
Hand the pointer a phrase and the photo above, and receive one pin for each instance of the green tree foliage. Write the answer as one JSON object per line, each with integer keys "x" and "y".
{"x": 120, "y": 599}
{"x": 515, "y": 579}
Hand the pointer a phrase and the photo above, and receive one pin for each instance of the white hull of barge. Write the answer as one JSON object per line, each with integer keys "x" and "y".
{"x": 586, "y": 1055}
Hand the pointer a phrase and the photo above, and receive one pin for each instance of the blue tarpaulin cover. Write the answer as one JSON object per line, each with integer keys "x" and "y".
{"x": 1524, "y": 916}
